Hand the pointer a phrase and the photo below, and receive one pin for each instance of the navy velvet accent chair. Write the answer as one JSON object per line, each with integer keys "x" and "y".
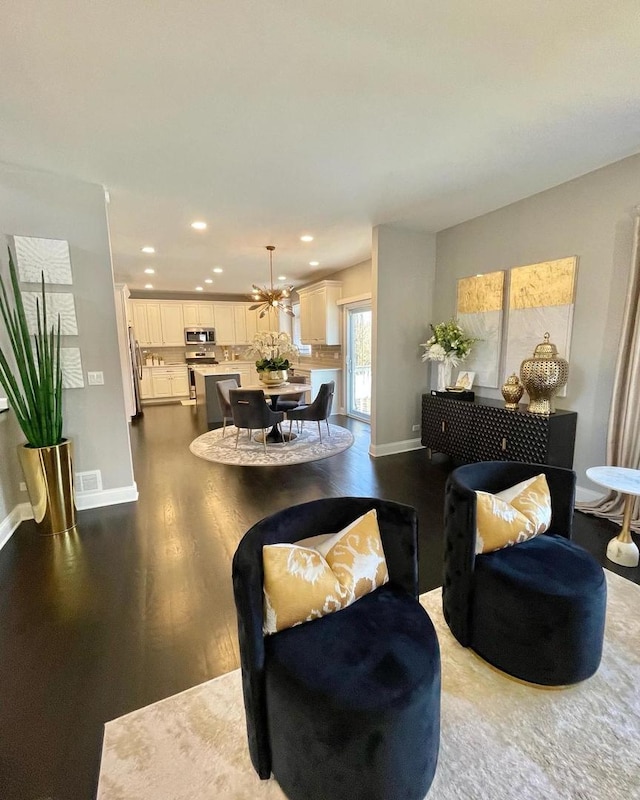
{"x": 535, "y": 610}
{"x": 345, "y": 707}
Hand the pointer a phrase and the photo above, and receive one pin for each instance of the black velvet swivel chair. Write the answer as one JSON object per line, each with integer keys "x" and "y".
{"x": 317, "y": 411}
{"x": 535, "y": 610}
{"x": 347, "y": 706}
{"x": 249, "y": 410}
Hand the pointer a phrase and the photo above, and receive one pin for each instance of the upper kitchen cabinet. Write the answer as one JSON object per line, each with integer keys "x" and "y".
{"x": 199, "y": 314}
{"x": 146, "y": 322}
{"x": 225, "y": 323}
{"x": 172, "y": 322}
{"x": 319, "y": 313}
{"x": 158, "y": 324}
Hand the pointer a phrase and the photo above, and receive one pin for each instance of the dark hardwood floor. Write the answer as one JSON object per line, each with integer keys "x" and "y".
{"x": 138, "y": 604}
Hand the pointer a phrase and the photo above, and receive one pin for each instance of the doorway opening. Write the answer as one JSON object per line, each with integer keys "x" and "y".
{"x": 358, "y": 360}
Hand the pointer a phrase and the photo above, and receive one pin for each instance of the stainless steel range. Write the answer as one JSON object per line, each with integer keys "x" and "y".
{"x": 193, "y": 357}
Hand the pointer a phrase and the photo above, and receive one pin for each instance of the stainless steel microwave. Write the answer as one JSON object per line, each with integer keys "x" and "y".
{"x": 199, "y": 336}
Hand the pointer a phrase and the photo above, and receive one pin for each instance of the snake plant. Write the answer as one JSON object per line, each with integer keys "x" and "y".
{"x": 34, "y": 388}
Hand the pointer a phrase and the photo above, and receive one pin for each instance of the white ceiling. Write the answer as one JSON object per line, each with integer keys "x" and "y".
{"x": 274, "y": 118}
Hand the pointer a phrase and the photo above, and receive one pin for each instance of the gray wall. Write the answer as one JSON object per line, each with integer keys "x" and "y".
{"x": 591, "y": 217}
{"x": 403, "y": 270}
{"x": 49, "y": 206}
{"x": 356, "y": 280}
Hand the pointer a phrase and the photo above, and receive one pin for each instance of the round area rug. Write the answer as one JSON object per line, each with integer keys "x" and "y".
{"x": 306, "y": 447}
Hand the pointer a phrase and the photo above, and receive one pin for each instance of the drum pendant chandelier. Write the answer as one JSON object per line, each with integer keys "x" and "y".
{"x": 274, "y": 297}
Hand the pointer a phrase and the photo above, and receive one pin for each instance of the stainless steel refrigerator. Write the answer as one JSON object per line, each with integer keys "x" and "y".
{"x": 136, "y": 372}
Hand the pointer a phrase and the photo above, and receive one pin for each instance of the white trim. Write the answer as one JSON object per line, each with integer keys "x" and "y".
{"x": 107, "y": 497}
{"x": 587, "y": 495}
{"x": 358, "y": 298}
{"x": 8, "y": 525}
{"x": 377, "y": 450}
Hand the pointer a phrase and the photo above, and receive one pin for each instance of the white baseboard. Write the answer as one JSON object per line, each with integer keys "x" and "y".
{"x": 587, "y": 495}
{"x": 106, "y": 497}
{"x": 8, "y": 525}
{"x": 377, "y": 450}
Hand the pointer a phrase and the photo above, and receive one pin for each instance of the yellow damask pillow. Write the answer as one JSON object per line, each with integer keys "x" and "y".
{"x": 513, "y": 515}
{"x": 304, "y": 583}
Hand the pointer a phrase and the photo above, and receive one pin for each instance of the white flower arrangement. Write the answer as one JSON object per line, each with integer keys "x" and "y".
{"x": 448, "y": 344}
{"x": 273, "y": 349}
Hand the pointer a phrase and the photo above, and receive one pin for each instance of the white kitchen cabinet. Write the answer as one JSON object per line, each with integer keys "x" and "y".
{"x": 146, "y": 384}
{"x": 172, "y": 324}
{"x": 158, "y": 324}
{"x": 240, "y": 323}
{"x": 170, "y": 381}
{"x": 319, "y": 313}
{"x": 316, "y": 377}
{"x": 225, "y": 324}
{"x": 198, "y": 314}
{"x": 146, "y": 323}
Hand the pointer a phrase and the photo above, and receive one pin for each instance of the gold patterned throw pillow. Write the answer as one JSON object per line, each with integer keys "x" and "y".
{"x": 304, "y": 583}
{"x": 513, "y": 515}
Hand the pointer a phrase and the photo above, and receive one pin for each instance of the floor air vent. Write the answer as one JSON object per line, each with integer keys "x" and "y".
{"x": 88, "y": 481}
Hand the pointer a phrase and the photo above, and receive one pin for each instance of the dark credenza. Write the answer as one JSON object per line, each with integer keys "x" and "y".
{"x": 484, "y": 430}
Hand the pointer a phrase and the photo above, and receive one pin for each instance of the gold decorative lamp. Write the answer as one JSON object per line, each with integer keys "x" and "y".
{"x": 543, "y": 376}
{"x": 273, "y": 298}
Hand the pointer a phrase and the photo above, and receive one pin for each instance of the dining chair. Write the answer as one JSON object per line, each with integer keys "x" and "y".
{"x": 250, "y": 410}
{"x": 317, "y": 411}
{"x": 223, "y": 388}
{"x": 291, "y": 401}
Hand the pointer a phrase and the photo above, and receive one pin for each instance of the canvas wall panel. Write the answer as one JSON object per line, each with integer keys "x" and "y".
{"x": 57, "y": 303}
{"x": 49, "y": 256}
{"x": 71, "y": 363}
{"x": 541, "y": 299}
{"x": 479, "y": 312}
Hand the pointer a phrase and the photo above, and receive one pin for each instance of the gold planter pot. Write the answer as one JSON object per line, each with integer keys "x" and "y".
{"x": 273, "y": 377}
{"x": 48, "y": 473}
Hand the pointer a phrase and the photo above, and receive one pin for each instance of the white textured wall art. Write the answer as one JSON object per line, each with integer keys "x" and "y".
{"x": 35, "y": 256}
{"x": 479, "y": 312}
{"x": 71, "y": 362}
{"x": 541, "y": 299}
{"x": 57, "y": 303}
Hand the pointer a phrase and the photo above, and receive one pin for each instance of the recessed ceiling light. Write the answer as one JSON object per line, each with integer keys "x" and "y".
{"x": 148, "y": 249}
{"x": 306, "y": 238}
{"x": 208, "y": 280}
{"x": 199, "y": 225}
{"x": 148, "y": 286}
{"x": 282, "y": 277}
{"x": 218, "y": 269}
{"x": 314, "y": 263}
{"x": 199, "y": 289}
{"x": 150, "y": 271}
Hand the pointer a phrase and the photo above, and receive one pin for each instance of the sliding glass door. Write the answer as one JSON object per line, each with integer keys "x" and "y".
{"x": 358, "y": 361}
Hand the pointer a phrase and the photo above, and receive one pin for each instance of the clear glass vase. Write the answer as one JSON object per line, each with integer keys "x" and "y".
{"x": 444, "y": 375}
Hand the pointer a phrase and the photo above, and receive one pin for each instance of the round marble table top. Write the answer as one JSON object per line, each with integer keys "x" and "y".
{"x": 620, "y": 479}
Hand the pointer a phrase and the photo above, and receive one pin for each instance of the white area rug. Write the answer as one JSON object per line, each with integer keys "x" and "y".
{"x": 306, "y": 447}
{"x": 501, "y": 740}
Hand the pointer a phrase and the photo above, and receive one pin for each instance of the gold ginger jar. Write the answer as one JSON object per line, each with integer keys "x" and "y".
{"x": 512, "y": 390}
{"x": 543, "y": 376}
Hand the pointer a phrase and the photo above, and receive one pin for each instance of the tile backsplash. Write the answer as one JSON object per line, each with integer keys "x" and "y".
{"x": 175, "y": 355}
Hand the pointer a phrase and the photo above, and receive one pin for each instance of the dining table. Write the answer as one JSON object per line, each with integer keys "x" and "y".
{"x": 274, "y": 392}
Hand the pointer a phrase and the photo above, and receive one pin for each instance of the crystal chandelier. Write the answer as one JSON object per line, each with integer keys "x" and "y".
{"x": 272, "y": 298}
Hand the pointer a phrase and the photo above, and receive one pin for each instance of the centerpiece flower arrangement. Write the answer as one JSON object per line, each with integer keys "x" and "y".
{"x": 449, "y": 346}
{"x": 273, "y": 349}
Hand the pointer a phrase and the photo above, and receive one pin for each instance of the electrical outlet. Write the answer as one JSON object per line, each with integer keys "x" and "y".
{"x": 23, "y": 486}
{"x": 95, "y": 378}
{"x": 415, "y": 428}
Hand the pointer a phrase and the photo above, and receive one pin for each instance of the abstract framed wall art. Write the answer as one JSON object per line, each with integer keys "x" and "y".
{"x": 480, "y": 300}
{"x": 541, "y": 300}
{"x": 36, "y": 256}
